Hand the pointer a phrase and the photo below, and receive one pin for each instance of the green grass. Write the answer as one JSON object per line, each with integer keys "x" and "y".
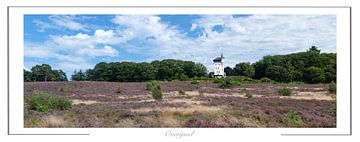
{"x": 194, "y": 82}
{"x": 42, "y": 102}
{"x": 285, "y": 92}
{"x": 332, "y": 88}
{"x": 294, "y": 119}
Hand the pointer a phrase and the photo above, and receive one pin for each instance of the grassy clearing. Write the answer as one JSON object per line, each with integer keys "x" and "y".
{"x": 42, "y": 102}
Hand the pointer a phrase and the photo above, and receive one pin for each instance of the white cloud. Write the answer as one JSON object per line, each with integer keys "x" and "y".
{"x": 242, "y": 39}
{"x": 60, "y": 22}
{"x": 74, "y": 51}
{"x": 245, "y": 38}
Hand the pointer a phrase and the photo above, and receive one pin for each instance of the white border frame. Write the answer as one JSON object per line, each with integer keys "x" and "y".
{"x": 16, "y": 42}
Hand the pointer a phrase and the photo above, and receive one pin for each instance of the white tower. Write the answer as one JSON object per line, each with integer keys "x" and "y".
{"x": 219, "y": 67}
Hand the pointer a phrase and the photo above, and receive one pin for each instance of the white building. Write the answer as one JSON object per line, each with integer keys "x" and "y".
{"x": 219, "y": 67}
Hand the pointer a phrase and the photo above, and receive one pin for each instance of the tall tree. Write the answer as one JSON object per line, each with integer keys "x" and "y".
{"x": 244, "y": 69}
{"x": 42, "y": 73}
{"x": 229, "y": 71}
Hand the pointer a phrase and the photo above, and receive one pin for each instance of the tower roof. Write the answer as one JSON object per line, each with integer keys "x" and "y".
{"x": 219, "y": 59}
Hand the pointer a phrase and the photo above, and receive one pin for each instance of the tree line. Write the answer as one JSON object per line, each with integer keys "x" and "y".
{"x": 168, "y": 69}
{"x": 45, "y": 73}
{"x": 309, "y": 67}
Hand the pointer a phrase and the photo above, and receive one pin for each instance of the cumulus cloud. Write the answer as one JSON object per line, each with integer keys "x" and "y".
{"x": 74, "y": 51}
{"x": 240, "y": 38}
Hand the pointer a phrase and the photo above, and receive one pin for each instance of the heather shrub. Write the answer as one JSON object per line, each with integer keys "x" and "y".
{"x": 284, "y": 92}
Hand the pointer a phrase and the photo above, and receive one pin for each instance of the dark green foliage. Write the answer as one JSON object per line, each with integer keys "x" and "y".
{"x": 314, "y": 75}
{"x": 278, "y": 73}
{"x": 156, "y": 93}
{"x": 151, "y": 84}
{"x": 27, "y": 76}
{"x": 309, "y": 67}
{"x": 229, "y": 71}
{"x": 44, "y": 73}
{"x": 155, "y": 90}
{"x": 244, "y": 69}
{"x": 332, "y": 88}
{"x": 284, "y": 92}
{"x": 183, "y": 77}
{"x": 211, "y": 75}
{"x": 227, "y": 83}
{"x": 169, "y": 69}
{"x": 294, "y": 119}
{"x": 78, "y": 76}
{"x": 42, "y": 102}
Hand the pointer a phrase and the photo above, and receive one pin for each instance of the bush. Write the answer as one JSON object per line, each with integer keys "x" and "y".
{"x": 156, "y": 93}
{"x": 284, "y": 92}
{"x": 183, "y": 77}
{"x": 42, "y": 102}
{"x": 194, "y": 82}
{"x": 151, "y": 84}
{"x": 218, "y": 80}
{"x": 266, "y": 80}
{"x": 332, "y": 88}
{"x": 181, "y": 92}
{"x": 227, "y": 83}
{"x": 294, "y": 119}
{"x": 331, "y": 111}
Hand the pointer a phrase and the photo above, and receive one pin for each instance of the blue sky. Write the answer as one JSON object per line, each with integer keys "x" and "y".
{"x": 70, "y": 42}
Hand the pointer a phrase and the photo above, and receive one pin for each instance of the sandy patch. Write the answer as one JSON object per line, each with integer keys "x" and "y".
{"x": 189, "y": 109}
{"x": 86, "y": 102}
{"x": 310, "y": 96}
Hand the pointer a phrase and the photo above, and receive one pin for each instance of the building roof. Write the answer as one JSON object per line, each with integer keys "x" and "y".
{"x": 219, "y": 59}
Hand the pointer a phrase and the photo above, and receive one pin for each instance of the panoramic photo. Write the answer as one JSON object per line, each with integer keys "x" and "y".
{"x": 180, "y": 71}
